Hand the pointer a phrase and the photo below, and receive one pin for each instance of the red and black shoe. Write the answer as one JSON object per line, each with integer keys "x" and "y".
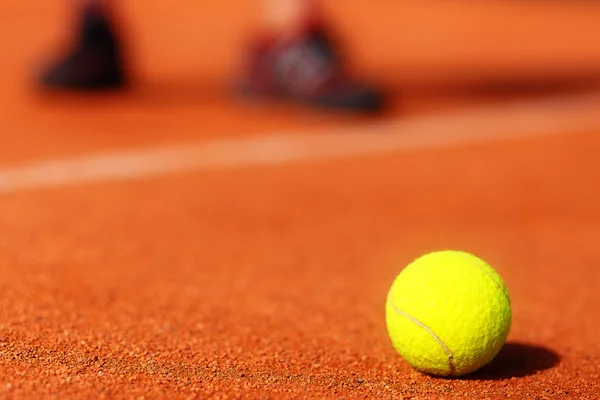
{"x": 306, "y": 69}
{"x": 95, "y": 62}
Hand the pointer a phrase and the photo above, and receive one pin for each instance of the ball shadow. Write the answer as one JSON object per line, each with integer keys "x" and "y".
{"x": 517, "y": 360}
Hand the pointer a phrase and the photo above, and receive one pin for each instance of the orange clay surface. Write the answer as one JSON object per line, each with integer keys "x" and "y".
{"x": 270, "y": 282}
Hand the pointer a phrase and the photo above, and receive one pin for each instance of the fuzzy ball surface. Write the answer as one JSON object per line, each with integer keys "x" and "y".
{"x": 448, "y": 313}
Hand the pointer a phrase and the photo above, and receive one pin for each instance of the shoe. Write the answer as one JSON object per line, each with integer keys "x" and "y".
{"x": 94, "y": 63}
{"x": 305, "y": 69}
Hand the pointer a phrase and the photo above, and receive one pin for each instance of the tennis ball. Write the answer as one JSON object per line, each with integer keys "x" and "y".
{"x": 448, "y": 313}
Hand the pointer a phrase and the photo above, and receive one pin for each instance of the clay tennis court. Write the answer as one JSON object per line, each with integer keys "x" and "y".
{"x": 171, "y": 242}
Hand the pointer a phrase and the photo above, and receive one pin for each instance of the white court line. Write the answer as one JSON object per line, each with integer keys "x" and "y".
{"x": 455, "y": 128}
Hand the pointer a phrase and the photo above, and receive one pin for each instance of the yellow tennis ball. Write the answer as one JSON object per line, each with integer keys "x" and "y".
{"x": 448, "y": 313}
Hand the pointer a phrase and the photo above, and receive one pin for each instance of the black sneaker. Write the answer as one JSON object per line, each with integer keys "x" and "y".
{"x": 95, "y": 63}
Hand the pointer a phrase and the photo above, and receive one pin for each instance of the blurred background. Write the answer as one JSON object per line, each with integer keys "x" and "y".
{"x": 427, "y": 55}
{"x": 404, "y": 44}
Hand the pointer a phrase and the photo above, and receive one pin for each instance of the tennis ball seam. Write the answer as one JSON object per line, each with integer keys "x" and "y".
{"x": 428, "y": 330}
{"x": 489, "y": 274}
